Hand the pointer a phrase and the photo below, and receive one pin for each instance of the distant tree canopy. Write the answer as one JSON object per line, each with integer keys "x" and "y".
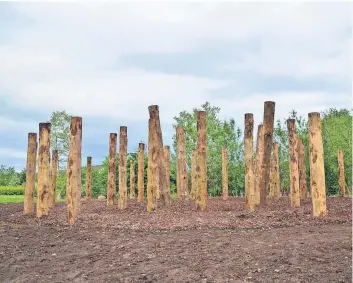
{"x": 336, "y": 130}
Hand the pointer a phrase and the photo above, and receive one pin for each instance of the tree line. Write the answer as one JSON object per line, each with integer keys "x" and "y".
{"x": 336, "y": 131}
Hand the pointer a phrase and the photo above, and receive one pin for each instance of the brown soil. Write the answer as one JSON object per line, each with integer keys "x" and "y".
{"x": 225, "y": 243}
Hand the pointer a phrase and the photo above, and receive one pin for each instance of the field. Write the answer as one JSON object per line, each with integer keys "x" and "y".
{"x": 225, "y": 243}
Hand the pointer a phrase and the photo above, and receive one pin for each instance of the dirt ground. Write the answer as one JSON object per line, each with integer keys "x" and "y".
{"x": 225, "y": 243}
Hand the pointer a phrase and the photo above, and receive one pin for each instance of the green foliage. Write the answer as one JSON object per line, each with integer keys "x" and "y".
{"x": 337, "y": 135}
{"x": 12, "y": 190}
{"x": 219, "y": 133}
{"x": 60, "y": 135}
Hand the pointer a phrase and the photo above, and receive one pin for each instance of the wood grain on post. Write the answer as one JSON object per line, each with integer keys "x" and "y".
{"x": 341, "y": 179}
{"x": 201, "y": 162}
{"x": 162, "y": 192}
{"x": 275, "y": 184}
{"x": 89, "y": 178}
{"x": 193, "y": 174}
{"x": 317, "y": 170}
{"x": 43, "y": 169}
{"x": 28, "y": 206}
{"x": 268, "y": 124}
{"x": 122, "y": 201}
{"x": 302, "y": 170}
{"x": 225, "y": 172}
{"x": 182, "y": 174}
{"x": 293, "y": 164}
{"x": 167, "y": 165}
{"x": 152, "y": 168}
{"x": 248, "y": 155}
{"x": 141, "y": 172}
{"x": 111, "y": 190}
{"x": 258, "y": 160}
{"x": 73, "y": 178}
{"x": 54, "y": 168}
{"x": 132, "y": 179}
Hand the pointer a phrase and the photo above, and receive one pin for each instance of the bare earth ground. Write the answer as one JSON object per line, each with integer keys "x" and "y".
{"x": 225, "y": 243}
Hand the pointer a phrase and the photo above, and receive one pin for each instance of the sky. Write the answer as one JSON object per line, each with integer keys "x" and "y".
{"x": 107, "y": 62}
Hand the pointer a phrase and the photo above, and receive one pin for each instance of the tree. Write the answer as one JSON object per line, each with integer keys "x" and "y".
{"x": 6, "y": 175}
{"x": 337, "y": 135}
{"x": 60, "y": 135}
{"x": 219, "y": 133}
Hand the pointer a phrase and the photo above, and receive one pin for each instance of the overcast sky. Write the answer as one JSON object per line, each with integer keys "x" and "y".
{"x": 107, "y": 62}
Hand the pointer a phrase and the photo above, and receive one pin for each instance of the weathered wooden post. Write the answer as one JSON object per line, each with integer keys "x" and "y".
{"x": 259, "y": 157}
{"x": 54, "y": 168}
{"x": 182, "y": 174}
{"x": 302, "y": 170}
{"x": 201, "y": 162}
{"x": 193, "y": 174}
{"x": 161, "y": 173}
{"x": 225, "y": 172}
{"x": 122, "y": 201}
{"x": 111, "y": 190}
{"x": 132, "y": 179}
{"x": 141, "y": 172}
{"x": 341, "y": 179}
{"x": 152, "y": 168}
{"x": 89, "y": 178}
{"x": 248, "y": 155}
{"x": 275, "y": 191}
{"x": 293, "y": 164}
{"x": 317, "y": 170}
{"x": 268, "y": 124}
{"x": 30, "y": 173}
{"x": 167, "y": 166}
{"x": 73, "y": 175}
{"x": 43, "y": 169}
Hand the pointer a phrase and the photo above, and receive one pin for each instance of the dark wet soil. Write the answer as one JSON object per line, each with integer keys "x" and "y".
{"x": 225, "y": 243}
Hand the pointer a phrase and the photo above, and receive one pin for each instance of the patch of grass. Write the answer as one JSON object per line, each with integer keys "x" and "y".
{"x": 18, "y": 199}
{"x": 11, "y": 199}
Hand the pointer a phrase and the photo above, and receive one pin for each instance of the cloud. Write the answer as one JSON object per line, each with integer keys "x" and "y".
{"x": 12, "y": 153}
{"x": 72, "y": 56}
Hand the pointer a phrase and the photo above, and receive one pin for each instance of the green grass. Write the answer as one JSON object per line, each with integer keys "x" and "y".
{"x": 17, "y": 199}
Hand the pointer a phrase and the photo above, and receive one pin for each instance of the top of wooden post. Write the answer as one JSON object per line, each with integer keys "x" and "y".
{"x": 123, "y": 129}
{"x": 314, "y": 114}
{"x": 153, "y": 111}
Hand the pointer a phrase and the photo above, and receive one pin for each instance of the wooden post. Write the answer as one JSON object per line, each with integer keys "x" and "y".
{"x": 302, "y": 170}
{"x": 132, "y": 179}
{"x": 269, "y": 115}
{"x": 111, "y": 190}
{"x": 167, "y": 166}
{"x": 30, "y": 173}
{"x": 162, "y": 190}
{"x": 89, "y": 178}
{"x": 152, "y": 168}
{"x": 193, "y": 174}
{"x": 259, "y": 157}
{"x": 43, "y": 169}
{"x": 73, "y": 175}
{"x": 317, "y": 169}
{"x": 275, "y": 184}
{"x": 122, "y": 202}
{"x": 182, "y": 174}
{"x": 248, "y": 155}
{"x": 201, "y": 163}
{"x": 141, "y": 172}
{"x": 54, "y": 168}
{"x": 225, "y": 172}
{"x": 341, "y": 179}
{"x": 293, "y": 164}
